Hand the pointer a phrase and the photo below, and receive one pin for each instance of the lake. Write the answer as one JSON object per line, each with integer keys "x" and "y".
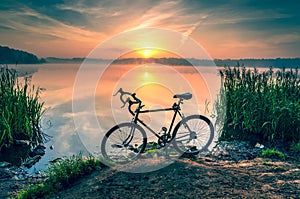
{"x": 80, "y": 106}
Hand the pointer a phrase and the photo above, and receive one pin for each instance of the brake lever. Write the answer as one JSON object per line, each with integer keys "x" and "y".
{"x": 135, "y": 98}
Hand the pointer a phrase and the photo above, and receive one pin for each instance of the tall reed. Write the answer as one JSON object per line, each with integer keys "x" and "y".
{"x": 20, "y": 110}
{"x": 260, "y": 106}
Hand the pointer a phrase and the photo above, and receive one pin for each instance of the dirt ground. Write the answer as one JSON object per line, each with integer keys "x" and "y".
{"x": 182, "y": 178}
{"x": 10, "y": 184}
{"x": 203, "y": 178}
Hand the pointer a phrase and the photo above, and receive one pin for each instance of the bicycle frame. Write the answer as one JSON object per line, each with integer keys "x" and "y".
{"x": 176, "y": 108}
{"x": 185, "y": 136}
{"x": 138, "y": 111}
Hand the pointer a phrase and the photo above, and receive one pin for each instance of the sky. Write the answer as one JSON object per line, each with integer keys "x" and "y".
{"x": 224, "y": 28}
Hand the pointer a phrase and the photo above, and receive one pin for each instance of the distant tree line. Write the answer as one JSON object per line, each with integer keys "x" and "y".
{"x": 12, "y": 56}
{"x": 63, "y": 60}
{"x": 274, "y": 63}
{"x": 164, "y": 61}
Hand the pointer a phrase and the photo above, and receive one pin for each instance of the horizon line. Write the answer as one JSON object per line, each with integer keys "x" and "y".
{"x": 127, "y": 58}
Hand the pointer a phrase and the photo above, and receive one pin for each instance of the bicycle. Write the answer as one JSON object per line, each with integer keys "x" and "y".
{"x": 126, "y": 141}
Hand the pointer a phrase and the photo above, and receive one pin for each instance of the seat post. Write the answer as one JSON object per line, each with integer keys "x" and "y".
{"x": 180, "y": 101}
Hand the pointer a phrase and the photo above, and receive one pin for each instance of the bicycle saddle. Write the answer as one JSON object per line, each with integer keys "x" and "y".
{"x": 185, "y": 96}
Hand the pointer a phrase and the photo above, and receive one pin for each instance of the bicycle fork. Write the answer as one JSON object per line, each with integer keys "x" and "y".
{"x": 192, "y": 134}
{"x": 127, "y": 140}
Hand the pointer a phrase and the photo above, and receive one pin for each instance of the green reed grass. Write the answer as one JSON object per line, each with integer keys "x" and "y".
{"x": 20, "y": 110}
{"x": 61, "y": 175}
{"x": 260, "y": 106}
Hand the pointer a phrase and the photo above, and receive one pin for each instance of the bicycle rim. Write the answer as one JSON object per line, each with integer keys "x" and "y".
{"x": 123, "y": 143}
{"x": 193, "y": 134}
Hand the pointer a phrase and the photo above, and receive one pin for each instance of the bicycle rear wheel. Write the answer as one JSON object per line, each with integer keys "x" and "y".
{"x": 193, "y": 134}
{"x": 123, "y": 143}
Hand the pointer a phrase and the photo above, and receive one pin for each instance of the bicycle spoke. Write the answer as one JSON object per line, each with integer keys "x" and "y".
{"x": 185, "y": 135}
{"x": 121, "y": 144}
{"x": 193, "y": 134}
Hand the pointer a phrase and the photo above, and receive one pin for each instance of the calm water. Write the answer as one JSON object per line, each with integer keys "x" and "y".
{"x": 81, "y": 106}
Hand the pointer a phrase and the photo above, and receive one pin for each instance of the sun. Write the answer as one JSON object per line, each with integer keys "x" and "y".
{"x": 147, "y": 53}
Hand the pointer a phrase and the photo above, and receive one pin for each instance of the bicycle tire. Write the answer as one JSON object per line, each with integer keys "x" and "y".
{"x": 117, "y": 145}
{"x": 198, "y": 140}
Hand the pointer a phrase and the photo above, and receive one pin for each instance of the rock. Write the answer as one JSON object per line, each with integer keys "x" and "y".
{"x": 257, "y": 145}
{"x": 235, "y": 151}
{"x": 38, "y": 150}
{"x": 5, "y": 164}
{"x": 22, "y": 142}
{"x": 55, "y": 160}
{"x": 40, "y": 146}
{"x": 31, "y": 161}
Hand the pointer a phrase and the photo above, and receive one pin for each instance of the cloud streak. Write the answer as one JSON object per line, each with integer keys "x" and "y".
{"x": 84, "y": 24}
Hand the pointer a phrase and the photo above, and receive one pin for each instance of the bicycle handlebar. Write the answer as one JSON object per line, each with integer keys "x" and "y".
{"x": 127, "y": 100}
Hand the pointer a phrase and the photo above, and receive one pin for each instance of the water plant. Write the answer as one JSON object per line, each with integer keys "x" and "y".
{"x": 20, "y": 110}
{"x": 260, "y": 107}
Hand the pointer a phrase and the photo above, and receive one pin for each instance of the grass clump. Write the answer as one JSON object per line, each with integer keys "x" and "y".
{"x": 20, "y": 110}
{"x": 35, "y": 191}
{"x": 272, "y": 153}
{"x": 61, "y": 175}
{"x": 64, "y": 173}
{"x": 260, "y": 107}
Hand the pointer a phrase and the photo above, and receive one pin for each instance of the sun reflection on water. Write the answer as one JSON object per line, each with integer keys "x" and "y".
{"x": 146, "y": 75}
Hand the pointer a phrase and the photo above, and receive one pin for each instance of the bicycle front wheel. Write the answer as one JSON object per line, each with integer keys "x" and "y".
{"x": 123, "y": 143}
{"x": 193, "y": 134}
